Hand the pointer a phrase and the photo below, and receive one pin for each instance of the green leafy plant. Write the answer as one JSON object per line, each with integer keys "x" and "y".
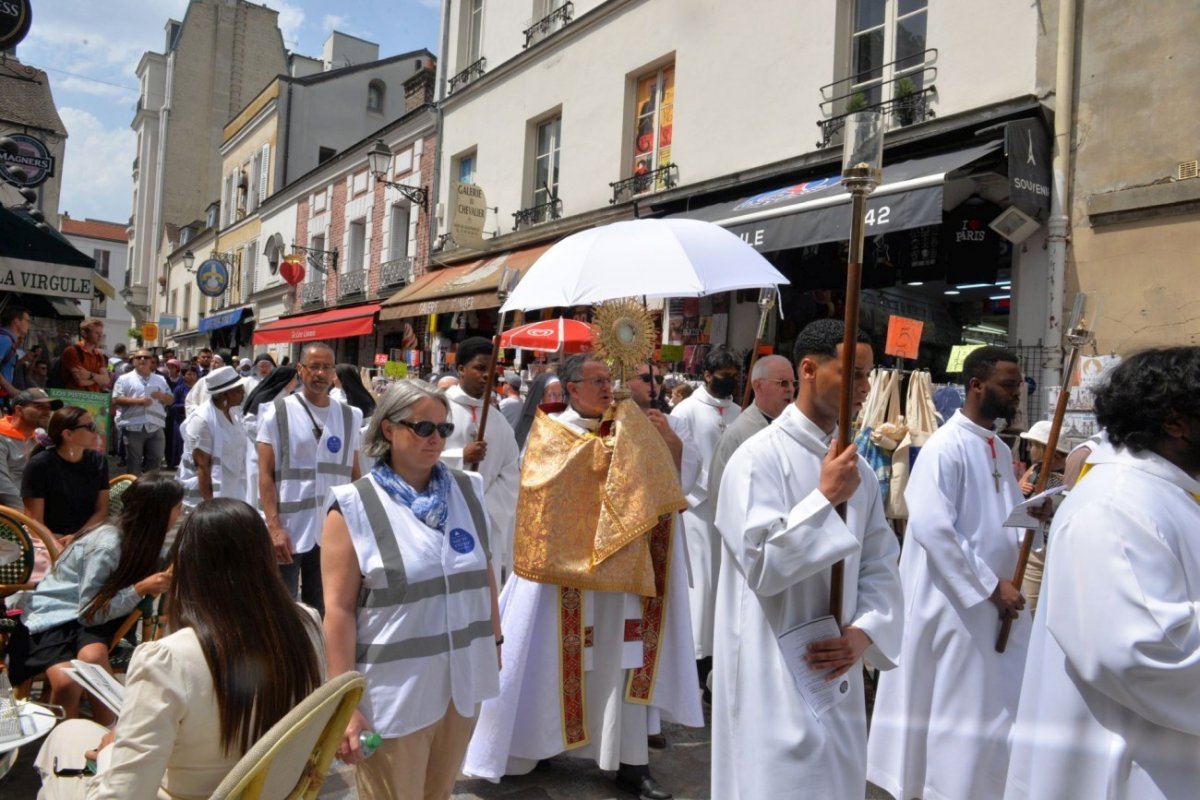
{"x": 857, "y": 102}
{"x": 906, "y": 101}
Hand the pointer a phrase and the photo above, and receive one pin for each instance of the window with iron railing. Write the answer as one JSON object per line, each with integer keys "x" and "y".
{"x": 653, "y": 127}
{"x": 887, "y": 50}
{"x": 549, "y": 16}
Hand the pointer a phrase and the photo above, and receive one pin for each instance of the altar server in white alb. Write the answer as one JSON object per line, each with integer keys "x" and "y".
{"x": 307, "y": 444}
{"x": 496, "y": 458}
{"x": 942, "y": 719}
{"x": 1111, "y": 703}
{"x": 782, "y": 534}
{"x": 215, "y": 442}
{"x": 708, "y": 412}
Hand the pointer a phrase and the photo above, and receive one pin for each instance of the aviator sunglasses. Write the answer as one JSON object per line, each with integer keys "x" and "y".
{"x": 426, "y": 428}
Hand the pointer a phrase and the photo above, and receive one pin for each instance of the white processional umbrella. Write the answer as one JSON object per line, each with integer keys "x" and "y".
{"x": 642, "y": 257}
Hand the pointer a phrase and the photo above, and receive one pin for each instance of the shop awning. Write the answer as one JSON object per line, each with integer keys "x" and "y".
{"x": 815, "y": 211}
{"x": 223, "y": 320}
{"x": 465, "y": 287}
{"x": 337, "y": 323}
{"x": 36, "y": 261}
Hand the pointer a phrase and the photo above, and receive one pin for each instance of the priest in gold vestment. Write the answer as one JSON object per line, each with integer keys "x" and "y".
{"x": 597, "y": 637}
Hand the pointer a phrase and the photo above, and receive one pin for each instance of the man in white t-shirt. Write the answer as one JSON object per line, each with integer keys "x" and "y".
{"x": 141, "y": 397}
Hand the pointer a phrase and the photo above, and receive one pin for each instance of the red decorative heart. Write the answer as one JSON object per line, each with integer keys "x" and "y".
{"x": 292, "y": 272}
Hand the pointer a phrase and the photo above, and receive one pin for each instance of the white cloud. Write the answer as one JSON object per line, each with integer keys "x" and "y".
{"x": 97, "y": 181}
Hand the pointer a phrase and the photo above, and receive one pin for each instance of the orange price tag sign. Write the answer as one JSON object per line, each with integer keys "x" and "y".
{"x": 903, "y": 337}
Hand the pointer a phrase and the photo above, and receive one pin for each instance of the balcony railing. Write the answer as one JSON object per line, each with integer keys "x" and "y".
{"x": 351, "y": 284}
{"x": 313, "y": 294}
{"x": 135, "y": 163}
{"x": 906, "y": 104}
{"x": 469, "y": 74}
{"x": 655, "y": 180}
{"x": 555, "y": 20}
{"x": 395, "y": 274}
{"x": 898, "y": 112}
{"x": 536, "y": 215}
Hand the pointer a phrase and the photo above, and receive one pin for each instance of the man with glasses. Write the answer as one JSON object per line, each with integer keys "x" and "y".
{"x": 592, "y": 663}
{"x": 774, "y": 389}
{"x": 709, "y": 412}
{"x": 307, "y": 443}
{"x": 141, "y": 397}
{"x": 496, "y": 458}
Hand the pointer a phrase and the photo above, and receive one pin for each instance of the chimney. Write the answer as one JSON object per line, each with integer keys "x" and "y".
{"x": 418, "y": 89}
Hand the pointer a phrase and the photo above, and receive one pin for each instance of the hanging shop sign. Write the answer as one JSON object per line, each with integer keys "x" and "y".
{"x": 32, "y": 156}
{"x": 213, "y": 278}
{"x": 150, "y": 331}
{"x": 470, "y": 213}
{"x": 40, "y": 277}
{"x": 15, "y": 16}
{"x": 1028, "y": 149}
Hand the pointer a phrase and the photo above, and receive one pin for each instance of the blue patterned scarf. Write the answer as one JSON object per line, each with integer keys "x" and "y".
{"x": 430, "y": 506}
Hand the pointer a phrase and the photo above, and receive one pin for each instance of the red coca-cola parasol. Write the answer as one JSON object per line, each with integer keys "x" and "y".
{"x": 551, "y": 335}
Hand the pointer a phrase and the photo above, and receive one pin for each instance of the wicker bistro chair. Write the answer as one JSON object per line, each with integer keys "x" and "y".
{"x": 291, "y": 760}
{"x": 151, "y": 613}
{"x": 116, "y": 488}
{"x": 22, "y": 531}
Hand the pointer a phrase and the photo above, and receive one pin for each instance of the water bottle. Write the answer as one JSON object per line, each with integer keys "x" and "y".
{"x": 369, "y": 741}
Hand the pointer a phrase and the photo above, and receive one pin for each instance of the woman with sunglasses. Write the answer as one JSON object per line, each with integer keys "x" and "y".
{"x": 65, "y": 485}
{"x": 406, "y": 568}
{"x": 98, "y": 580}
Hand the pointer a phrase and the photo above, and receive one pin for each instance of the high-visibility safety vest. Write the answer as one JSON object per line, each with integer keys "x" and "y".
{"x": 424, "y": 632}
{"x": 307, "y": 468}
{"x": 228, "y": 479}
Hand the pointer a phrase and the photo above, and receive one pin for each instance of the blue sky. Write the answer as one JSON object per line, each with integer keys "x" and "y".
{"x": 90, "y": 50}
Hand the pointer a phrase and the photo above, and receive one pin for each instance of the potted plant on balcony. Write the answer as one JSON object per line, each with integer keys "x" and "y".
{"x": 857, "y": 102}
{"x": 907, "y": 101}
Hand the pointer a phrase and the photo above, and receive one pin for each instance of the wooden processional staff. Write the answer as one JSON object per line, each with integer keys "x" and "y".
{"x": 862, "y": 159}
{"x": 508, "y": 280}
{"x": 1078, "y": 337}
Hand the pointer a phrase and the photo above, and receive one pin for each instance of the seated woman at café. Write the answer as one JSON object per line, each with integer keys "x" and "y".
{"x": 242, "y": 655}
{"x": 65, "y": 485}
{"x": 94, "y": 585}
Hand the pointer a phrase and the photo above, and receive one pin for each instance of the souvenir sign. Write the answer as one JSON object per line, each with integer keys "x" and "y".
{"x": 213, "y": 278}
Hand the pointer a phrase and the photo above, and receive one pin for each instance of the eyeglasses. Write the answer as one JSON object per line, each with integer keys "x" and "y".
{"x": 426, "y": 428}
{"x": 785, "y": 383}
{"x": 599, "y": 383}
{"x": 319, "y": 367}
{"x": 91, "y": 426}
{"x": 645, "y": 378}
{"x": 140, "y": 358}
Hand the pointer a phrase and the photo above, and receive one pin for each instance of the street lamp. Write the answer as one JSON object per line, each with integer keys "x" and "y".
{"x": 189, "y": 261}
{"x": 379, "y": 158}
{"x": 862, "y": 170}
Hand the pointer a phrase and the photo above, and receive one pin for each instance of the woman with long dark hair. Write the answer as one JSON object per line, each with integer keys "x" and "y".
{"x": 97, "y": 581}
{"x": 65, "y": 483}
{"x": 242, "y": 655}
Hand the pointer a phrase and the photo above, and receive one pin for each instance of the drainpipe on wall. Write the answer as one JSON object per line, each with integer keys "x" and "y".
{"x": 1058, "y": 228}
{"x": 439, "y": 99}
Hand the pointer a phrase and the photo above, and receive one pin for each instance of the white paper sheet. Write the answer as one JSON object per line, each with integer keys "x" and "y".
{"x": 1020, "y": 517}
{"x": 95, "y": 679}
{"x": 820, "y": 694}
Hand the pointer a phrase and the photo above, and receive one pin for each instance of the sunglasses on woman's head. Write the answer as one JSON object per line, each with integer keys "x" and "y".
{"x": 91, "y": 426}
{"x": 426, "y": 428}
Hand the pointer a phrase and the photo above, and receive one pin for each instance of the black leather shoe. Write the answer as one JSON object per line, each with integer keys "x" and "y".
{"x": 642, "y": 785}
{"x": 656, "y": 741}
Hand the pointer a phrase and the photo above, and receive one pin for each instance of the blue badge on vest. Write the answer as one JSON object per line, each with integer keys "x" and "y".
{"x": 461, "y": 541}
{"x": 334, "y": 444}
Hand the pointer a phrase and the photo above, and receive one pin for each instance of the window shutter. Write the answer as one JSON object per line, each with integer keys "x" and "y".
{"x": 264, "y": 171}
